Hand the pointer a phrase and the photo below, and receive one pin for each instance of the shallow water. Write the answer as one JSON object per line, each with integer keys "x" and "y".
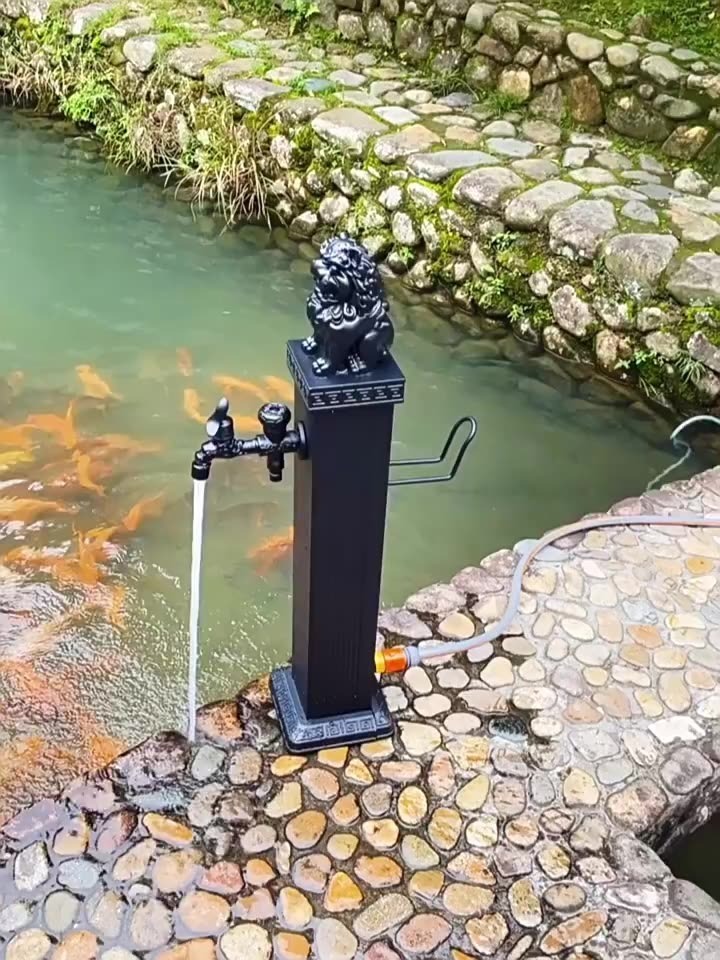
{"x": 106, "y": 270}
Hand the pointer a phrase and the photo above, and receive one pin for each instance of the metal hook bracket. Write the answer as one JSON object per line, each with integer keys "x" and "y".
{"x": 424, "y": 461}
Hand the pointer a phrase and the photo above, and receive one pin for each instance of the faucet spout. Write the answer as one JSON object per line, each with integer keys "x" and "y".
{"x": 273, "y": 443}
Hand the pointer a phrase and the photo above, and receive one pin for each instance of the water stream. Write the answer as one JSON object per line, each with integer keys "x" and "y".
{"x": 198, "y": 516}
{"x": 123, "y": 320}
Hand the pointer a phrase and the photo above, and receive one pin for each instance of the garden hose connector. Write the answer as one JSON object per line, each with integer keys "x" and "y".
{"x": 392, "y": 660}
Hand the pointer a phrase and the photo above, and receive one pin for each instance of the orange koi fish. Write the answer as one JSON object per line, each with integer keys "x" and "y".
{"x": 271, "y": 552}
{"x": 14, "y": 381}
{"x": 233, "y": 385}
{"x": 143, "y": 510}
{"x": 247, "y": 424}
{"x": 191, "y": 405}
{"x": 282, "y": 387}
{"x": 27, "y": 510}
{"x": 15, "y": 436}
{"x": 184, "y": 361}
{"x": 94, "y": 385}
{"x": 62, "y": 428}
{"x": 84, "y": 465}
{"x": 13, "y": 457}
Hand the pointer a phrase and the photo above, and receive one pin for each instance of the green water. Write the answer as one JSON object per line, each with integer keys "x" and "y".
{"x": 103, "y": 269}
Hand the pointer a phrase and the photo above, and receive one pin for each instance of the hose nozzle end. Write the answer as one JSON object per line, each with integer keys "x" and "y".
{"x": 200, "y": 470}
{"x": 392, "y": 660}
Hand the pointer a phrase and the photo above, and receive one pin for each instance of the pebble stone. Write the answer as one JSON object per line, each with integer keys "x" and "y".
{"x": 505, "y": 815}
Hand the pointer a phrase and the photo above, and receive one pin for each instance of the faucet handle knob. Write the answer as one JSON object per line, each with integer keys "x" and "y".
{"x": 220, "y": 426}
{"x": 274, "y": 419}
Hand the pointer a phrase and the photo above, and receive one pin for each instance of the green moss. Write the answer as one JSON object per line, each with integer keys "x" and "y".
{"x": 693, "y": 23}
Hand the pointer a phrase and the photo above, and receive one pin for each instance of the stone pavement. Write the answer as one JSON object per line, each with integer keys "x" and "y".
{"x": 505, "y": 819}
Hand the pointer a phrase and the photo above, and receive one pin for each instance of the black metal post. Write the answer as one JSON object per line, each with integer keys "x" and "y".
{"x": 329, "y": 694}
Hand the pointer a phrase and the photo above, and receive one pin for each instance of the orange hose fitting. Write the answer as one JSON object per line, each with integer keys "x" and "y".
{"x": 392, "y": 660}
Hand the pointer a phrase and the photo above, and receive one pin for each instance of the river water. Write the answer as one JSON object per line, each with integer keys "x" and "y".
{"x": 105, "y": 272}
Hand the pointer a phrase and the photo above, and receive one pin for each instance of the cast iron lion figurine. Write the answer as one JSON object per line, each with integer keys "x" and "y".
{"x": 352, "y": 329}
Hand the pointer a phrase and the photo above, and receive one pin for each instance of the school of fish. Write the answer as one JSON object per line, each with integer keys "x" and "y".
{"x": 53, "y": 472}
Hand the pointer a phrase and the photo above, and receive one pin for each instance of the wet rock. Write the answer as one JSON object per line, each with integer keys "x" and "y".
{"x": 253, "y": 92}
{"x": 571, "y": 313}
{"x": 387, "y": 912}
{"x": 630, "y": 116}
{"x": 638, "y": 261}
{"x": 150, "y": 926}
{"x": 579, "y": 229}
{"x": 194, "y": 61}
{"x": 246, "y": 941}
{"x": 697, "y": 280}
{"x": 527, "y": 210}
{"x": 692, "y": 903}
{"x": 487, "y": 934}
{"x": 412, "y": 139}
{"x": 32, "y": 867}
{"x": 585, "y": 101}
{"x": 440, "y": 164}
{"x": 333, "y": 941}
{"x": 573, "y": 932}
{"x": 141, "y": 52}
{"x": 637, "y": 806}
{"x": 82, "y": 18}
{"x": 486, "y": 187}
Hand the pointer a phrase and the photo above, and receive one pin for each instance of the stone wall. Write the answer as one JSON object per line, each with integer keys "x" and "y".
{"x": 499, "y": 219}
{"x": 642, "y": 89}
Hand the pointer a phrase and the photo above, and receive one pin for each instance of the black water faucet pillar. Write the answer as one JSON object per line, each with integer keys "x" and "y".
{"x": 346, "y": 389}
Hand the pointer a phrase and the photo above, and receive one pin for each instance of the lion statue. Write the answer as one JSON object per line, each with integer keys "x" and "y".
{"x": 352, "y": 329}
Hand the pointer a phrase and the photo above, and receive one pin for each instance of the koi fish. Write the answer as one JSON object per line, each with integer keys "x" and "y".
{"x": 14, "y": 457}
{"x": 282, "y": 387}
{"x": 143, "y": 510}
{"x": 94, "y": 385}
{"x": 15, "y": 436}
{"x": 14, "y": 381}
{"x": 232, "y": 384}
{"x": 191, "y": 405}
{"x": 83, "y": 466}
{"x": 184, "y": 361}
{"x": 247, "y": 424}
{"x": 27, "y": 510}
{"x": 271, "y": 552}
{"x": 62, "y": 428}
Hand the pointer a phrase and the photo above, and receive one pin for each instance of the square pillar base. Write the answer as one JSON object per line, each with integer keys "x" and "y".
{"x": 303, "y": 735}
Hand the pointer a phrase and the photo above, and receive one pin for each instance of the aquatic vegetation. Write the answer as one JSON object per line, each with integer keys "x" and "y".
{"x": 270, "y": 553}
{"x": 94, "y": 384}
{"x": 184, "y": 361}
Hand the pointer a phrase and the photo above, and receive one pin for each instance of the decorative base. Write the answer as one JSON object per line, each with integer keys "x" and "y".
{"x": 302, "y": 735}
